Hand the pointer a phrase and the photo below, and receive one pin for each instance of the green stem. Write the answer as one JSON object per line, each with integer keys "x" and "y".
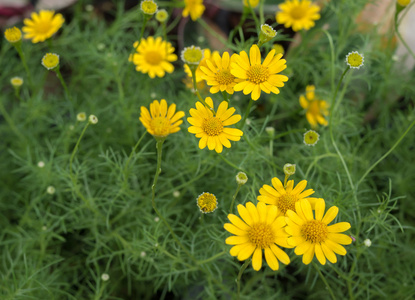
{"x": 324, "y": 280}
{"x": 231, "y": 164}
{"x": 211, "y": 31}
{"x": 257, "y": 24}
{"x": 238, "y": 279}
{"x": 76, "y": 148}
{"x": 248, "y": 109}
{"x": 201, "y": 262}
{"x": 133, "y": 151}
{"x": 386, "y": 154}
{"x": 9, "y": 121}
{"x": 234, "y": 197}
{"x": 193, "y": 70}
{"x": 23, "y": 59}
{"x": 242, "y": 21}
{"x": 58, "y": 73}
{"x": 159, "y": 147}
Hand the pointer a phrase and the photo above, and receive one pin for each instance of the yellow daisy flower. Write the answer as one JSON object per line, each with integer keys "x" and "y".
{"x": 312, "y": 235}
{"x": 316, "y": 109}
{"x": 207, "y": 202}
{"x": 298, "y": 14}
{"x": 42, "y": 26}
{"x": 193, "y": 7}
{"x": 210, "y": 128}
{"x": 258, "y": 77}
{"x": 13, "y": 35}
{"x": 207, "y": 54}
{"x": 153, "y": 57}
{"x": 284, "y": 198}
{"x": 217, "y": 73}
{"x": 260, "y": 229}
{"x": 161, "y": 121}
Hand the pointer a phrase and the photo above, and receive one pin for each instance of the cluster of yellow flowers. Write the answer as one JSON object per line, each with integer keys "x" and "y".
{"x": 286, "y": 217}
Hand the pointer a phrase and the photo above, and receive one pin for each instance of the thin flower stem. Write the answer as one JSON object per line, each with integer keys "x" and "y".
{"x": 231, "y": 164}
{"x": 159, "y": 147}
{"x": 238, "y": 279}
{"x": 193, "y": 70}
{"x": 324, "y": 280}
{"x": 9, "y": 121}
{"x": 234, "y": 197}
{"x": 258, "y": 25}
{"x": 58, "y": 73}
{"x": 23, "y": 59}
{"x": 133, "y": 151}
{"x": 76, "y": 148}
{"x": 248, "y": 109}
{"x": 211, "y": 31}
{"x": 201, "y": 262}
{"x": 242, "y": 21}
{"x": 386, "y": 154}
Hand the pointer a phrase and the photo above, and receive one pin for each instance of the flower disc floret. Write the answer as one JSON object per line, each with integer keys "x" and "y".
{"x": 13, "y": 35}
{"x": 241, "y": 178}
{"x": 217, "y": 73}
{"x": 267, "y": 33}
{"x": 311, "y": 138}
{"x": 298, "y": 14}
{"x": 148, "y": 7}
{"x": 193, "y": 7}
{"x": 50, "y": 61}
{"x": 207, "y": 202}
{"x": 256, "y": 76}
{"x": 153, "y": 57}
{"x": 92, "y": 119}
{"x": 192, "y": 55}
{"x": 284, "y": 198}
{"x": 42, "y": 26}
{"x": 212, "y": 128}
{"x": 258, "y": 228}
{"x": 161, "y": 120}
{"x": 403, "y": 3}
{"x": 312, "y": 235}
{"x": 289, "y": 169}
{"x": 354, "y": 60}
{"x": 16, "y": 81}
{"x": 162, "y": 15}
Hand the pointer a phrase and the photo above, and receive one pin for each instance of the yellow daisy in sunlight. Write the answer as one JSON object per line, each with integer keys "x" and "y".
{"x": 298, "y": 14}
{"x": 211, "y": 128}
{"x": 257, "y": 77}
{"x": 161, "y": 121}
{"x": 259, "y": 229}
{"x": 218, "y": 73}
{"x": 193, "y": 7}
{"x": 284, "y": 198}
{"x": 313, "y": 235}
{"x": 207, "y": 54}
{"x": 316, "y": 109}
{"x": 153, "y": 57}
{"x": 42, "y": 26}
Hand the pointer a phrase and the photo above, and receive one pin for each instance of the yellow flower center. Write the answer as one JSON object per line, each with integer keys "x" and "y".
{"x": 153, "y": 58}
{"x": 355, "y": 60}
{"x": 160, "y": 126}
{"x": 148, "y": 7}
{"x": 268, "y": 31}
{"x": 207, "y": 202}
{"x": 192, "y": 55}
{"x": 261, "y": 235}
{"x": 286, "y": 202}
{"x": 50, "y": 61}
{"x": 43, "y": 26}
{"x": 311, "y": 137}
{"x": 314, "y": 107}
{"x": 13, "y": 35}
{"x": 314, "y": 231}
{"x": 297, "y": 13}
{"x": 224, "y": 77}
{"x": 212, "y": 126}
{"x": 257, "y": 74}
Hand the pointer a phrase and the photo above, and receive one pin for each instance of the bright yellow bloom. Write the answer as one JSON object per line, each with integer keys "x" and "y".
{"x": 207, "y": 202}
{"x": 284, "y": 198}
{"x": 316, "y": 109}
{"x": 153, "y": 57}
{"x": 42, "y": 26}
{"x": 313, "y": 235}
{"x": 252, "y": 3}
{"x": 161, "y": 121}
{"x": 16, "y": 81}
{"x": 206, "y": 55}
{"x": 258, "y": 77}
{"x": 13, "y": 35}
{"x": 193, "y": 7}
{"x": 354, "y": 60}
{"x": 217, "y": 73}
{"x": 50, "y": 61}
{"x": 403, "y": 2}
{"x": 298, "y": 14}
{"x": 211, "y": 128}
{"x": 192, "y": 55}
{"x": 261, "y": 228}
{"x": 148, "y": 7}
